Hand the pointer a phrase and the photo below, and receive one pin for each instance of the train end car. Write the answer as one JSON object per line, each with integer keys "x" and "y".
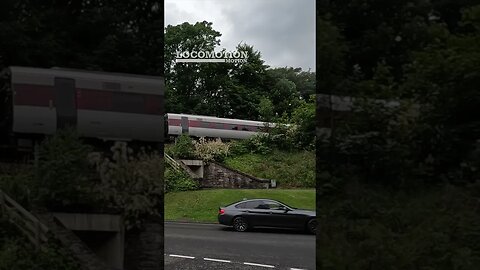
{"x": 100, "y": 105}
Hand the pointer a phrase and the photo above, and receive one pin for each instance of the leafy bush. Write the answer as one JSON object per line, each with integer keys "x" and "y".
{"x": 211, "y": 150}
{"x": 182, "y": 149}
{"x": 64, "y": 171}
{"x": 133, "y": 183}
{"x": 303, "y": 132}
{"x": 178, "y": 181}
{"x": 17, "y": 253}
{"x": 258, "y": 144}
{"x": 18, "y": 185}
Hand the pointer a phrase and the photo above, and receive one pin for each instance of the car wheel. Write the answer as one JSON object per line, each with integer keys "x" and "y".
{"x": 240, "y": 224}
{"x": 312, "y": 226}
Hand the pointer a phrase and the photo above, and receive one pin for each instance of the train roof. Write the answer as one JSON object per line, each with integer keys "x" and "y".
{"x": 216, "y": 118}
{"x": 90, "y": 79}
{"x": 73, "y": 72}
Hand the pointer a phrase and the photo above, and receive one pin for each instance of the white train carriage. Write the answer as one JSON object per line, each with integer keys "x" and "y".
{"x": 109, "y": 106}
{"x": 208, "y": 126}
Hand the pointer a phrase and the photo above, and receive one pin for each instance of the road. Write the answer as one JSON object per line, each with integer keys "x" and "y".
{"x": 213, "y": 246}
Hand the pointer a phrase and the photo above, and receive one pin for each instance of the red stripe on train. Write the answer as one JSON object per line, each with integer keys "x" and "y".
{"x": 33, "y": 95}
{"x": 90, "y": 99}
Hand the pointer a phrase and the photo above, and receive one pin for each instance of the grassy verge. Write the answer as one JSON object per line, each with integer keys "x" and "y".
{"x": 202, "y": 205}
{"x": 295, "y": 169}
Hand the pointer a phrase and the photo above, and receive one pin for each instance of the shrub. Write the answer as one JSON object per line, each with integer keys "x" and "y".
{"x": 183, "y": 148}
{"x": 133, "y": 183}
{"x": 17, "y": 253}
{"x": 211, "y": 150}
{"x": 178, "y": 181}
{"x": 18, "y": 185}
{"x": 63, "y": 171}
{"x": 257, "y": 144}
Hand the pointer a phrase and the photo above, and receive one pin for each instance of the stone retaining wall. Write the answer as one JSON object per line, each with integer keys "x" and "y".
{"x": 219, "y": 176}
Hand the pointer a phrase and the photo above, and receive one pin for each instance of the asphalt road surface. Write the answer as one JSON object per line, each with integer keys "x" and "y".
{"x": 212, "y": 246}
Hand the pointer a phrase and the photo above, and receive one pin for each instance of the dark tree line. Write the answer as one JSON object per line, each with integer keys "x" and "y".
{"x": 116, "y": 36}
{"x": 398, "y": 185}
{"x": 421, "y": 53}
{"x": 250, "y": 90}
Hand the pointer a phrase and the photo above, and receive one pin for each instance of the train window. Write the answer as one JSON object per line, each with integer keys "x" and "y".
{"x": 234, "y": 127}
{"x": 129, "y": 103}
{"x": 204, "y": 124}
{"x": 245, "y": 129}
{"x": 219, "y": 125}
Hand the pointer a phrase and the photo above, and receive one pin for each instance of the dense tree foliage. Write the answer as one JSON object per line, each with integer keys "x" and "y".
{"x": 117, "y": 36}
{"x": 250, "y": 90}
{"x": 387, "y": 173}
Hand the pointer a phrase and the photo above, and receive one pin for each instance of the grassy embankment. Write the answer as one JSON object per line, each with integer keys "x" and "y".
{"x": 202, "y": 205}
{"x": 289, "y": 169}
{"x": 293, "y": 171}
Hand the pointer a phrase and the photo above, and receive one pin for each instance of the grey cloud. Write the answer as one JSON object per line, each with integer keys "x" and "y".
{"x": 282, "y": 30}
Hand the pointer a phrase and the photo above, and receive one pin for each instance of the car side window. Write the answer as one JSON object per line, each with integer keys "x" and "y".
{"x": 241, "y": 205}
{"x": 253, "y": 205}
{"x": 274, "y": 206}
{"x": 262, "y": 206}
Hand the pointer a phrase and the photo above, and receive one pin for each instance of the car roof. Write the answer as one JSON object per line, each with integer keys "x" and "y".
{"x": 252, "y": 200}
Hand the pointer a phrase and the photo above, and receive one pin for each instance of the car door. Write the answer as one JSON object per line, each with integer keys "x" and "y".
{"x": 280, "y": 217}
{"x": 256, "y": 213}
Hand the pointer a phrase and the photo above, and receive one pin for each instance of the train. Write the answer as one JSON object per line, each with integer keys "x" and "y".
{"x": 116, "y": 107}
{"x": 214, "y": 127}
{"x": 101, "y": 105}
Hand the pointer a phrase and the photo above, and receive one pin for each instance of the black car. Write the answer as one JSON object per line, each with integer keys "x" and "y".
{"x": 247, "y": 214}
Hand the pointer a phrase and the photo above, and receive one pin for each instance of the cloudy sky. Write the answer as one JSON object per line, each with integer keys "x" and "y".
{"x": 282, "y": 30}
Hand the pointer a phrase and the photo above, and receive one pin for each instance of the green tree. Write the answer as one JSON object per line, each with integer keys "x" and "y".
{"x": 118, "y": 36}
{"x": 185, "y": 81}
{"x": 64, "y": 171}
{"x": 265, "y": 109}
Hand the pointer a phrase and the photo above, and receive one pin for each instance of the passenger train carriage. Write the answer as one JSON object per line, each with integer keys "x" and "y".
{"x": 108, "y": 106}
{"x": 214, "y": 127}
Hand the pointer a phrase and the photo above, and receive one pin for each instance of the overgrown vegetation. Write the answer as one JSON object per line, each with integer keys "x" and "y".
{"x": 19, "y": 185}
{"x": 399, "y": 183}
{"x": 17, "y": 252}
{"x": 284, "y": 152}
{"x": 178, "y": 181}
{"x": 71, "y": 177}
{"x": 374, "y": 228}
{"x": 132, "y": 183}
{"x": 278, "y": 155}
{"x": 211, "y": 150}
{"x": 289, "y": 169}
{"x": 64, "y": 173}
{"x": 182, "y": 148}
